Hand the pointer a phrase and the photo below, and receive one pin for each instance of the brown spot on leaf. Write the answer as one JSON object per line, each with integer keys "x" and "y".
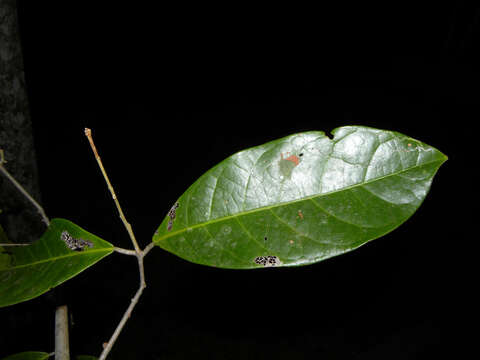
{"x": 300, "y": 214}
{"x": 287, "y": 163}
{"x": 293, "y": 158}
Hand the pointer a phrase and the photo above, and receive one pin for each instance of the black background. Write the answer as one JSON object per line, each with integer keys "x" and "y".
{"x": 170, "y": 91}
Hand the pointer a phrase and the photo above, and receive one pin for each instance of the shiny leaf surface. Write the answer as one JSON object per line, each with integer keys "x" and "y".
{"x": 62, "y": 252}
{"x": 300, "y": 199}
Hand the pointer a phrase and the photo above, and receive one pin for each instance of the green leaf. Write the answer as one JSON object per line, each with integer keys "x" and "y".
{"x": 85, "y": 357}
{"x": 28, "y": 355}
{"x": 29, "y": 271}
{"x": 300, "y": 199}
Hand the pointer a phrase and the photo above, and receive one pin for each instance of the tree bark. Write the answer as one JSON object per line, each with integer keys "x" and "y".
{"x": 19, "y": 219}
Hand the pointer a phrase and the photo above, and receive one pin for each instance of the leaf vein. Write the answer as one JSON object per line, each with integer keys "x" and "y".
{"x": 263, "y": 208}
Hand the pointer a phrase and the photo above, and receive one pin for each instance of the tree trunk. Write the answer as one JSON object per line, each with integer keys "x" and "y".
{"x": 19, "y": 219}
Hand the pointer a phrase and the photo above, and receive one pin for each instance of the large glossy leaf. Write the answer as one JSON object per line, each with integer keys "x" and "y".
{"x": 300, "y": 199}
{"x": 62, "y": 252}
{"x": 28, "y": 355}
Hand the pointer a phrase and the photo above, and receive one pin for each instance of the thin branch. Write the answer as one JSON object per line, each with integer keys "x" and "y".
{"x": 121, "y": 324}
{"x": 22, "y": 190}
{"x": 108, "y": 346}
{"x": 148, "y": 248}
{"x": 137, "y": 252}
{"x": 125, "y": 251}
{"x": 88, "y": 134}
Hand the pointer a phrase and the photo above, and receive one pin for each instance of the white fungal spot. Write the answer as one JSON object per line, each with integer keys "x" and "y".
{"x": 227, "y": 230}
{"x": 75, "y": 244}
{"x": 172, "y": 214}
{"x": 268, "y": 261}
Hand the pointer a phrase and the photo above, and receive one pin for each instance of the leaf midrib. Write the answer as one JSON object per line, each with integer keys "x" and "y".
{"x": 168, "y": 235}
{"x": 55, "y": 259}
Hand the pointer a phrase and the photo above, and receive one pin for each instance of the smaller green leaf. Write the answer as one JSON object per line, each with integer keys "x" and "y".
{"x": 85, "y": 357}
{"x": 29, "y": 271}
{"x": 28, "y": 355}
